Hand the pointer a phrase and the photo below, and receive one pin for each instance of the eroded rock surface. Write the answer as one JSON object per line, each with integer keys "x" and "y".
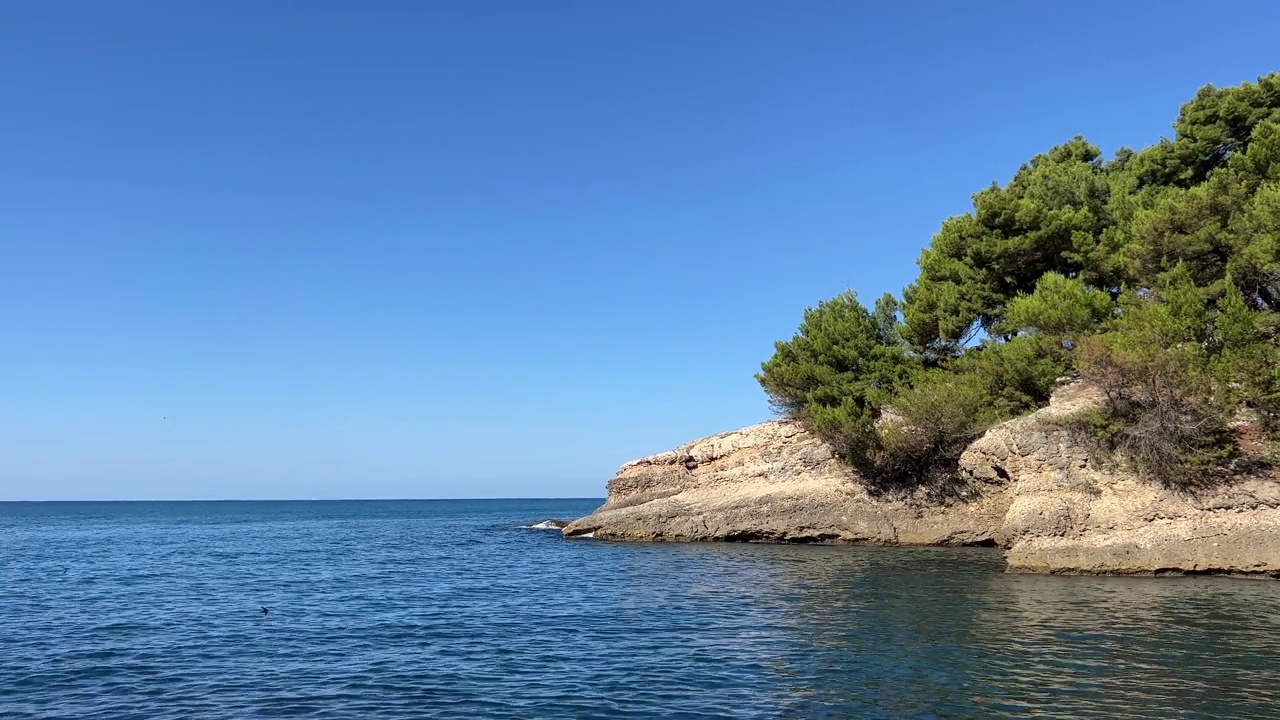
{"x": 1026, "y": 486}
{"x": 1071, "y": 513}
{"x": 773, "y": 482}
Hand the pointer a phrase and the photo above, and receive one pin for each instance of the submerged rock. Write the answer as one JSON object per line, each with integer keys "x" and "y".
{"x": 551, "y": 524}
{"x": 1025, "y": 485}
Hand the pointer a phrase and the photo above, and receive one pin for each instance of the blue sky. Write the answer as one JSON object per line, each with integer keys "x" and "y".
{"x": 473, "y": 249}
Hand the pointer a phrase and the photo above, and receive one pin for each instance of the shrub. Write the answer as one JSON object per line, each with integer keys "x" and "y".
{"x": 1016, "y": 376}
{"x": 836, "y": 371}
{"x": 1245, "y": 364}
{"x": 936, "y": 418}
{"x": 1161, "y": 410}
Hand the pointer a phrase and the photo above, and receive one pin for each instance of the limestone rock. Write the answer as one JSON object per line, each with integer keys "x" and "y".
{"x": 771, "y": 482}
{"x": 1070, "y": 513}
{"x": 1026, "y": 486}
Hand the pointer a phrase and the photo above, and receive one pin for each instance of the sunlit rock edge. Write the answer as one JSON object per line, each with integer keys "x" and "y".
{"x": 1026, "y": 486}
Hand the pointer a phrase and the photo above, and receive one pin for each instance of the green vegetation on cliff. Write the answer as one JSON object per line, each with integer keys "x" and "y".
{"x": 1154, "y": 275}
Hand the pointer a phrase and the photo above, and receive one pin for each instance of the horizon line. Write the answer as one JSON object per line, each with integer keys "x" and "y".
{"x": 373, "y": 499}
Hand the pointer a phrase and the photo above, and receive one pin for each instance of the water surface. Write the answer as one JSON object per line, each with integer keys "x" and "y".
{"x": 412, "y": 609}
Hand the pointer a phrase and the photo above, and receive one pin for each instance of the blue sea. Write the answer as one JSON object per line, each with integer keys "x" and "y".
{"x": 453, "y": 609}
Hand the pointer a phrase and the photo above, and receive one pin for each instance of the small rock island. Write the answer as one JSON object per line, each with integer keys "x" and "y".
{"x": 1026, "y": 486}
{"x": 1085, "y": 372}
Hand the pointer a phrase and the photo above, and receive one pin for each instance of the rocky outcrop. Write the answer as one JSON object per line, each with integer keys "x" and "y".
{"x": 1072, "y": 513}
{"x": 772, "y": 482}
{"x": 1025, "y": 486}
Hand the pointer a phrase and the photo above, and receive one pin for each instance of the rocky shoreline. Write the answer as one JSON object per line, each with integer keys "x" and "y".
{"x": 1025, "y": 486}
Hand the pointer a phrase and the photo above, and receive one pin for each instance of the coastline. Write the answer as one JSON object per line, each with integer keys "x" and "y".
{"x": 1025, "y": 486}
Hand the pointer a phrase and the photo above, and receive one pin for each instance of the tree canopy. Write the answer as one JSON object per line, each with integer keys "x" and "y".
{"x": 1154, "y": 268}
{"x": 841, "y": 364}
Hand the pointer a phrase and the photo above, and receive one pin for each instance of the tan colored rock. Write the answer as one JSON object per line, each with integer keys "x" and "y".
{"x": 1026, "y": 486}
{"x": 1070, "y": 513}
{"x": 772, "y": 482}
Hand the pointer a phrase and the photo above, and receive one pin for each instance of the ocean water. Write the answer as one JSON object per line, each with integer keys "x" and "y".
{"x": 438, "y": 609}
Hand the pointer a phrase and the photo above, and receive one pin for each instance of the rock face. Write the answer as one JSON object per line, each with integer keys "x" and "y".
{"x": 1070, "y": 513}
{"x": 1025, "y": 487}
{"x": 772, "y": 482}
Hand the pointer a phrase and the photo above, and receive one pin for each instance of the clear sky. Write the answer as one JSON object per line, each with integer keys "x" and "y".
{"x": 442, "y": 249}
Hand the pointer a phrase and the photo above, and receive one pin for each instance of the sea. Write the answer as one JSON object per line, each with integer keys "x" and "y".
{"x": 457, "y": 609}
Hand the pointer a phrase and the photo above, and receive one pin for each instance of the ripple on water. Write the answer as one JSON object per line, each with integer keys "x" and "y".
{"x": 451, "y": 610}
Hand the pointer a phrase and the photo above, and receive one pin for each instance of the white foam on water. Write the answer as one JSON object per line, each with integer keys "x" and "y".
{"x": 544, "y": 525}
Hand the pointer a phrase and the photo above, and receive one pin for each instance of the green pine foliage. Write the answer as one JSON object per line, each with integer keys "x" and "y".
{"x": 1059, "y": 307}
{"x": 1154, "y": 274}
{"x": 935, "y": 418}
{"x": 840, "y": 367}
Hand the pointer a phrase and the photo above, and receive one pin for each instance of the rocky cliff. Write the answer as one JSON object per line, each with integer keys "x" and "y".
{"x": 1025, "y": 486}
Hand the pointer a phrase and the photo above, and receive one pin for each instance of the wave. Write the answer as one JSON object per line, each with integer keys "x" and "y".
{"x": 547, "y": 525}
